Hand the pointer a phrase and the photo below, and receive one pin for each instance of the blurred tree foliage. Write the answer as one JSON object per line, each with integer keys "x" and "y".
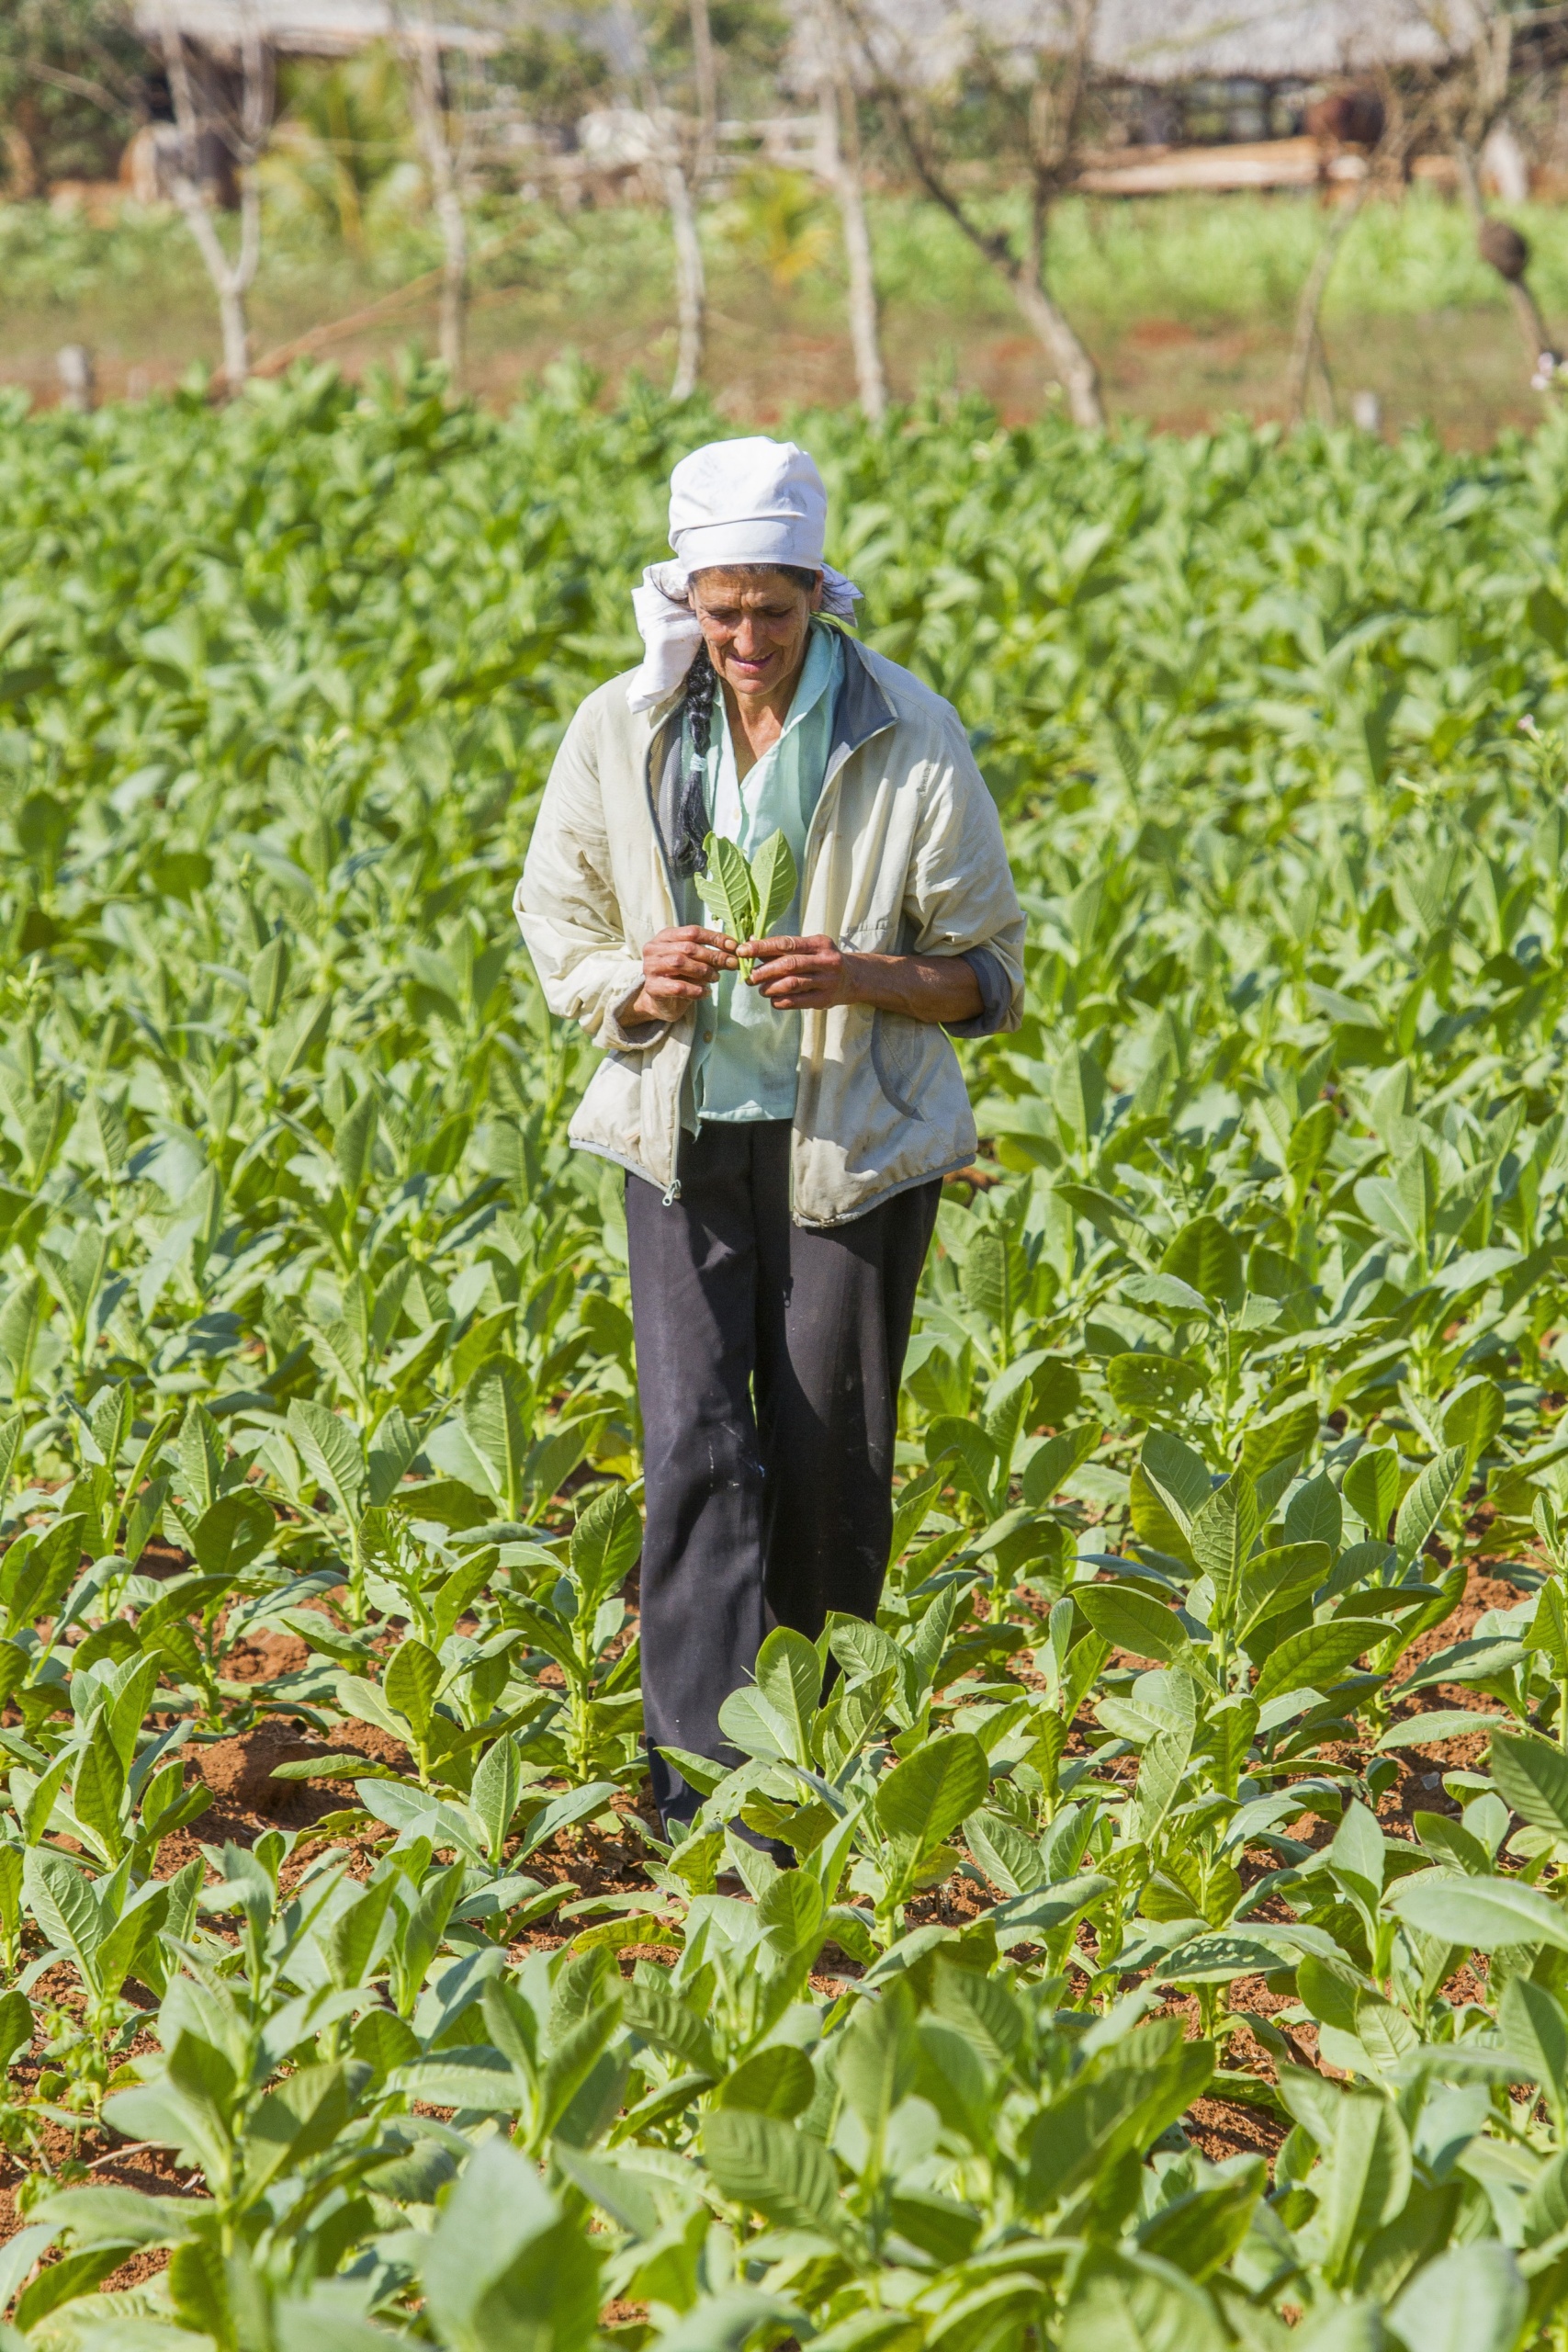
{"x": 558, "y": 73}
{"x": 343, "y": 132}
{"x": 74, "y": 84}
{"x": 554, "y": 75}
{"x": 780, "y": 221}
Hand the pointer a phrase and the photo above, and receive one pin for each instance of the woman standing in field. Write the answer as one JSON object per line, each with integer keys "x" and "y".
{"x": 785, "y": 1132}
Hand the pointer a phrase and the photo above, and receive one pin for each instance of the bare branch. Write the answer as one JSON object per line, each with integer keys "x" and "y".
{"x": 690, "y": 278}
{"x": 232, "y": 280}
{"x": 421, "y": 62}
{"x": 838, "y": 115}
{"x": 705, "y": 65}
{"x": 180, "y": 89}
{"x": 94, "y": 92}
{"x": 1053, "y": 108}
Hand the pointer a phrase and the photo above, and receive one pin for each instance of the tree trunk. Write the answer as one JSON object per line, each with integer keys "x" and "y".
{"x": 1074, "y": 370}
{"x": 865, "y": 309}
{"x": 236, "y": 337}
{"x": 704, "y": 69}
{"x": 1544, "y": 360}
{"x": 21, "y": 163}
{"x": 840, "y": 118}
{"x": 453, "y": 282}
{"x": 232, "y": 280}
{"x": 690, "y": 283}
{"x": 422, "y": 62}
{"x": 1054, "y": 115}
{"x": 226, "y": 283}
{"x": 1077, "y": 373}
{"x": 1308, "y": 336}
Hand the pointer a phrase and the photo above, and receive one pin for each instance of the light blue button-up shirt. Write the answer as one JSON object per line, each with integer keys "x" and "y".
{"x": 747, "y": 1053}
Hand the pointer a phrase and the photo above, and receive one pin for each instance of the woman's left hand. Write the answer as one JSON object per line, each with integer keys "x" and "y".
{"x": 808, "y": 975}
{"x": 802, "y": 975}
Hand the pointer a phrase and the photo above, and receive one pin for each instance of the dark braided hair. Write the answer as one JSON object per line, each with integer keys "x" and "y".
{"x": 696, "y": 717}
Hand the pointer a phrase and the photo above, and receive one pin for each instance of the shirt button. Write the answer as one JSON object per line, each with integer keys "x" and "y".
{"x": 708, "y": 1037}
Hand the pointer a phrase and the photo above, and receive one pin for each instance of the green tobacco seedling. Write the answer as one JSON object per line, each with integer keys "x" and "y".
{"x": 748, "y": 899}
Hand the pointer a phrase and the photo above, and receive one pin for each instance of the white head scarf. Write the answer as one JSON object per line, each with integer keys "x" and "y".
{"x": 752, "y": 500}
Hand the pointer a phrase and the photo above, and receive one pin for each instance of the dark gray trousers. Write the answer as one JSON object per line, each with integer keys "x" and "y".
{"x": 768, "y": 1360}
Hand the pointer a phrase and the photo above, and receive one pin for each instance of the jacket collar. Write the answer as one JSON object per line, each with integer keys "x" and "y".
{"x": 861, "y": 710}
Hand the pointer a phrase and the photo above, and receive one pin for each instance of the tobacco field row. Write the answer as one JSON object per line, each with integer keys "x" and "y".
{"x": 1178, "y": 1953}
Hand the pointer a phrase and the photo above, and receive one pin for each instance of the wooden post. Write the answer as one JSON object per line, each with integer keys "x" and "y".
{"x": 78, "y": 386}
{"x": 690, "y": 278}
{"x": 838, "y": 115}
{"x": 422, "y": 64}
{"x": 232, "y": 280}
{"x": 704, "y": 74}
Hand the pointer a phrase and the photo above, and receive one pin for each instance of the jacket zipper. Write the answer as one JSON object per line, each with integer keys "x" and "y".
{"x": 673, "y": 1190}
{"x": 813, "y": 849}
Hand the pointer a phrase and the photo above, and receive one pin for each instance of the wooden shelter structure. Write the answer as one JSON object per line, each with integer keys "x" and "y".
{"x": 1254, "y": 49}
{"x": 215, "y": 37}
{"x": 1162, "y": 41}
{"x": 219, "y": 29}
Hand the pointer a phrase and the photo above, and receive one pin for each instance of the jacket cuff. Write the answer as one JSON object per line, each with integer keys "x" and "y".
{"x": 996, "y": 996}
{"x": 636, "y": 1037}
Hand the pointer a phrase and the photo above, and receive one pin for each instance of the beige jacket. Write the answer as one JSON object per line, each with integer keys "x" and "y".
{"x": 905, "y": 854}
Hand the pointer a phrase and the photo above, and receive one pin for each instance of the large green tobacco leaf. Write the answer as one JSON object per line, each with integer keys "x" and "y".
{"x": 923, "y": 1798}
{"x": 773, "y": 882}
{"x": 605, "y": 1544}
{"x": 1489, "y": 1913}
{"x": 1371, "y": 1487}
{"x": 1222, "y": 1535}
{"x": 1208, "y": 1257}
{"x": 1160, "y": 1390}
{"x": 332, "y": 1450}
{"x": 1370, "y": 2170}
{"x": 1424, "y": 1505}
{"x": 727, "y": 888}
{"x": 1119, "y": 2104}
{"x": 1275, "y": 1581}
{"x": 1177, "y": 1474}
{"x": 411, "y": 1681}
{"x": 1534, "y": 2030}
{"x": 504, "y": 2267}
{"x": 786, "y": 2176}
{"x": 1471, "y": 2300}
{"x": 1138, "y": 2303}
{"x": 1280, "y": 1437}
{"x": 1318, "y": 1656}
{"x": 1132, "y": 1621}
{"x": 1532, "y": 1776}
{"x": 497, "y": 1417}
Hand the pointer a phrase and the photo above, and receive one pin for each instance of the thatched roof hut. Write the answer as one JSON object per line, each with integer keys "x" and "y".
{"x": 297, "y": 28}
{"x": 1271, "y": 40}
{"x": 1156, "y": 42}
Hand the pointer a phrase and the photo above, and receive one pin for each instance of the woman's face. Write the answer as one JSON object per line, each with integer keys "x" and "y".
{"x": 754, "y": 623}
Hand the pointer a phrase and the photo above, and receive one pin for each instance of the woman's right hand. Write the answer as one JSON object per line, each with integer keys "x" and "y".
{"x": 679, "y": 967}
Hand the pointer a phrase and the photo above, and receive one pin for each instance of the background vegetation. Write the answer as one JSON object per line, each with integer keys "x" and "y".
{"x": 1190, "y": 298}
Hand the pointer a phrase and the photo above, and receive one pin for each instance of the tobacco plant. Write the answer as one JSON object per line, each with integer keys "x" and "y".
{"x": 1110, "y": 1944}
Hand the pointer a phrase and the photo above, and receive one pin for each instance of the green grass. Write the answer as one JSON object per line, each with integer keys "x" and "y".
{"x": 1423, "y": 318}
{"x": 1205, "y": 260}
{"x": 1416, "y": 314}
